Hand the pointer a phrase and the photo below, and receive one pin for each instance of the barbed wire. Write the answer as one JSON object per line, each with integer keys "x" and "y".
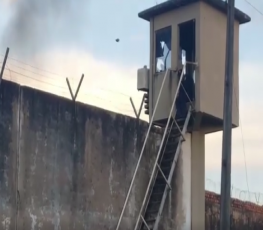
{"x": 49, "y": 81}
{"x": 31, "y": 66}
{"x": 241, "y": 194}
{"x": 254, "y": 7}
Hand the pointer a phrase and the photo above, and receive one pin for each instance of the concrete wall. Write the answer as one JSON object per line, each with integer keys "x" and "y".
{"x": 244, "y": 215}
{"x": 47, "y": 183}
{"x": 58, "y": 174}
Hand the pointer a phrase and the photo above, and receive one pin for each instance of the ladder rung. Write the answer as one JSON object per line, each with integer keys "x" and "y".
{"x": 152, "y": 205}
{"x": 172, "y": 143}
{"x": 170, "y": 159}
{"x": 157, "y": 193}
{"x": 170, "y": 147}
{"x": 174, "y": 135}
{"x": 157, "y": 196}
{"x": 175, "y": 128}
{"x": 160, "y": 180}
{"x": 171, "y": 151}
{"x": 180, "y": 121}
{"x": 145, "y": 223}
{"x": 159, "y": 186}
{"x": 153, "y": 210}
{"x": 150, "y": 219}
{"x": 161, "y": 171}
{"x": 166, "y": 161}
{"x": 166, "y": 169}
{"x": 168, "y": 155}
{"x": 179, "y": 130}
{"x": 155, "y": 202}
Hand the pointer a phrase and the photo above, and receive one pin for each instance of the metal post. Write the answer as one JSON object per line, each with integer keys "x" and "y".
{"x": 75, "y": 137}
{"x": 227, "y": 125}
{"x": 137, "y": 114}
{"x": 4, "y": 63}
{"x": 74, "y": 96}
{"x": 70, "y": 90}
{"x": 77, "y": 91}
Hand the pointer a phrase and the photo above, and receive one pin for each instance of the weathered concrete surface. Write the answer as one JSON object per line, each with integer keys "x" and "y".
{"x": 8, "y": 152}
{"x": 244, "y": 215}
{"x": 56, "y": 174}
{"x": 59, "y": 186}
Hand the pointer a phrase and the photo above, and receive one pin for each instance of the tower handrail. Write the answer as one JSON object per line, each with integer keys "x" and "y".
{"x": 160, "y": 148}
{"x": 141, "y": 154}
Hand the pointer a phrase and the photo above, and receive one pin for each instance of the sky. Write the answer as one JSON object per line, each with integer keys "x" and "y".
{"x": 63, "y": 40}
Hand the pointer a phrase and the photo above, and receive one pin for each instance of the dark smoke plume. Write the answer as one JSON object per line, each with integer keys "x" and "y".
{"x": 38, "y": 25}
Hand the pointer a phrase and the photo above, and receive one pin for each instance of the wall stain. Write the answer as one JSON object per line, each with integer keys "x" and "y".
{"x": 76, "y": 164}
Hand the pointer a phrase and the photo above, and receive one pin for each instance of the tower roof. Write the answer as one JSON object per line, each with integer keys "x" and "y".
{"x": 175, "y": 4}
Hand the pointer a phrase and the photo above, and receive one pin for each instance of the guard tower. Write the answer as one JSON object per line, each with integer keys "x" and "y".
{"x": 198, "y": 28}
{"x": 184, "y": 94}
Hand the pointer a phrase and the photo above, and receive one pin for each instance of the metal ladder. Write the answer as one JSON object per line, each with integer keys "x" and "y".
{"x": 169, "y": 129}
{"x": 160, "y": 181}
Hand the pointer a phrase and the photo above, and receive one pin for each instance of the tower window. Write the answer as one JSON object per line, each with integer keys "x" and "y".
{"x": 163, "y": 38}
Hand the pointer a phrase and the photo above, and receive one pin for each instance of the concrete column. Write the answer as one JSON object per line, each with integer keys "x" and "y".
{"x": 187, "y": 210}
{"x": 182, "y": 188}
{"x": 186, "y": 155}
{"x": 198, "y": 181}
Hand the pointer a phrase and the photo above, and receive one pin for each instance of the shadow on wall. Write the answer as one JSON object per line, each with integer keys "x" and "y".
{"x": 66, "y": 166}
